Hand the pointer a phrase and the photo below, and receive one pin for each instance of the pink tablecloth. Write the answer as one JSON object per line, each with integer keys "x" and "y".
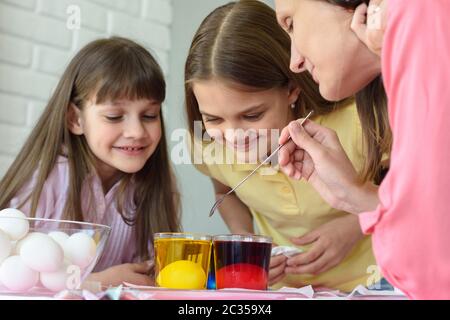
{"x": 150, "y": 293}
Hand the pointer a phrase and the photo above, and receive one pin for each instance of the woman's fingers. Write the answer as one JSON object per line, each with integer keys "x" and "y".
{"x": 285, "y": 152}
{"x": 284, "y": 136}
{"x": 304, "y": 139}
{"x": 310, "y": 142}
{"x": 298, "y": 155}
{"x": 290, "y": 146}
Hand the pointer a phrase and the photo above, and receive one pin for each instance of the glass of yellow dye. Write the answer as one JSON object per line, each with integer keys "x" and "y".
{"x": 182, "y": 260}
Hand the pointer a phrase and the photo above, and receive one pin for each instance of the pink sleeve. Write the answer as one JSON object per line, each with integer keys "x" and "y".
{"x": 52, "y": 198}
{"x": 411, "y": 226}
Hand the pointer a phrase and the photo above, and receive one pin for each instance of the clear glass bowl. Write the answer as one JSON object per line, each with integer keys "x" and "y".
{"x": 60, "y": 253}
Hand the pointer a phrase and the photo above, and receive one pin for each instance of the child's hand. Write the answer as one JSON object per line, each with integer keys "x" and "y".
{"x": 369, "y": 24}
{"x": 276, "y": 268}
{"x": 134, "y": 273}
{"x": 331, "y": 243}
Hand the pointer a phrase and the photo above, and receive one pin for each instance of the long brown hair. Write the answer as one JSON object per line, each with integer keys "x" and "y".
{"x": 109, "y": 69}
{"x": 242, "y": 43}
{"x": 371, "y": 103}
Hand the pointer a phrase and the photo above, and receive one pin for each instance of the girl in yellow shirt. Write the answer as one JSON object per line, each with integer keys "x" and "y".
{"x": 237, "y": 77}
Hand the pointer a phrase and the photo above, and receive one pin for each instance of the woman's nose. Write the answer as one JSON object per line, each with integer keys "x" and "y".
{"x": 297, "y": 64}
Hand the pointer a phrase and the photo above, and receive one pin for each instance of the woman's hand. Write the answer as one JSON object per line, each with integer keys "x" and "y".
{"x": 316, "y": 154}
{"x": 369, "y": 24}
{"x": 331, "y": 243}
{"x": 134, "y": 273}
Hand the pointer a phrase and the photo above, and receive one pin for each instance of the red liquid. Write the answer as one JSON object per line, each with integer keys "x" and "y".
{"x": 242, "y": 275}
{"x": 241, "y": 264}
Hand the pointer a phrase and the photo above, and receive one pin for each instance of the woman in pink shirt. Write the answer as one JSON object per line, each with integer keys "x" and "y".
{"x": 408, "y": 42}
{"x": 98, "y": 154}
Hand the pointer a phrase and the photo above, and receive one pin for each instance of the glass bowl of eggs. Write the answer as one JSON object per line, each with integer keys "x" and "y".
{"x": 45, "y": 256}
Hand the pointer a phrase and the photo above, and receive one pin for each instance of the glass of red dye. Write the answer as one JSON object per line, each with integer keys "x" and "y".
{"x": 242, "y": 261}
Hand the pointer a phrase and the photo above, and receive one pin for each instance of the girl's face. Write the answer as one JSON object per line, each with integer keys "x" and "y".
{"x": 122, "y": 134}
{"x": 323, "y": 44}
{"x": 228, "y": 111}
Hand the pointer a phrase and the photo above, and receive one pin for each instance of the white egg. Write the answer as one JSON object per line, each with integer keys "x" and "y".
{"x": 18, "y": 244}
{"x": 80, "y": 249}
{"x": 16, "y": 275}
{"x": 42, "y": 253}
{"x": 56, "y": 281}
{"x": 60, "y": 237}
{"x": 13, "y": 247}
{"x": 14, "y": 227}
{"x": 5, "y": 246}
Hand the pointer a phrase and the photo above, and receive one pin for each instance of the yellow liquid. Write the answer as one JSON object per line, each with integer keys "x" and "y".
{"x": 168, "y": 251}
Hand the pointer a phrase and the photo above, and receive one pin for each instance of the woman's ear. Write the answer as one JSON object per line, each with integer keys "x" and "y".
{"x": 74, "y": 120}
{"x": 293, "y": 94}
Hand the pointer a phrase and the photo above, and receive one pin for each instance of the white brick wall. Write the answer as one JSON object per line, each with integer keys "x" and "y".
{"x": 36, "y": 45}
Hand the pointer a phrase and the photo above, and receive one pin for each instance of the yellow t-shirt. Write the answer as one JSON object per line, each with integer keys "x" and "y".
{"x": 284, "y": 208}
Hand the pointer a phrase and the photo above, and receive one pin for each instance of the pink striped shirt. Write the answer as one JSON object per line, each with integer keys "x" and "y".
{"x": 411, "y": 226}
{"x": 120, "y": 248}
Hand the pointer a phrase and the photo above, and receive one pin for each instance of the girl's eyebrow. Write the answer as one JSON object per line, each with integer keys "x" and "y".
{"x": 121, "y": 102}
{"x": 154, "y": 103}
{"x": 254, "y": 108}
{"x": 207, "y": 114}
{"x": 249, "y": 110}
{"x": 116, "y": 103}
{"x": 109, "y": 105}
{"x": 121, "y": 105}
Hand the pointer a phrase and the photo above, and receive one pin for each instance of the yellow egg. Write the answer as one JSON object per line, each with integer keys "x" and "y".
{"x": 182, "y": 274}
